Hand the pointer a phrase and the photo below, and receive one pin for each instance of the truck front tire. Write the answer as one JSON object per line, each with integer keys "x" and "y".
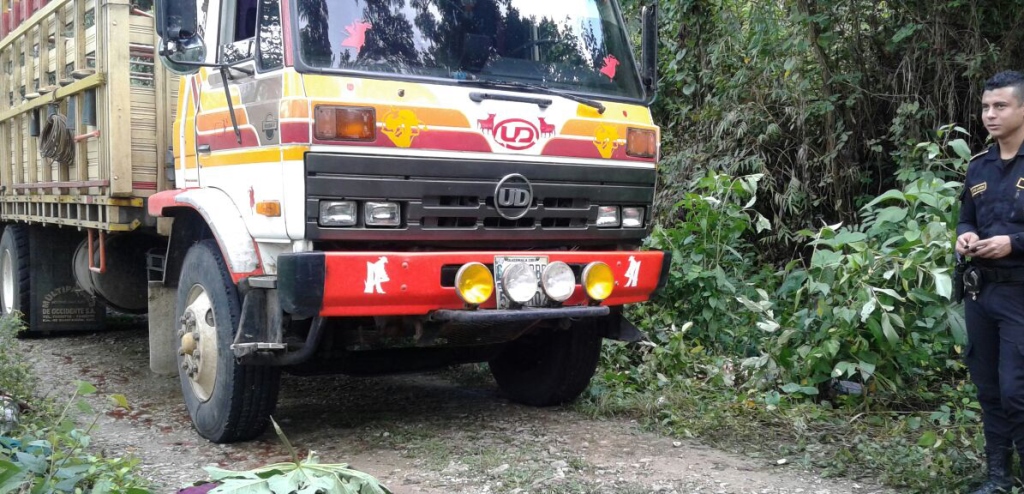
{"x": 14, "y": 272}
{"x": 227, "y": 402}
{"x": 548, "y": 367}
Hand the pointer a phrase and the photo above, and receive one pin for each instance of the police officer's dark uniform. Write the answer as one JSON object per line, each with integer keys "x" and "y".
{"x": 992, "y": 205}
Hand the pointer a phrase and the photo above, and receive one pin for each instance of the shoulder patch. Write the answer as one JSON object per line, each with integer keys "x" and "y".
{"x": 978, "y": 189}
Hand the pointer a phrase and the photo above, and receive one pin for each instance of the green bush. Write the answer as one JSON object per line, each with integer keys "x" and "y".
{"x": 873, "y": 304}
{"x": 16, "y": 379}
{"x": 713, "y": 262}
{"x": 47, "y": 452}
{"x": 847, "y": 358}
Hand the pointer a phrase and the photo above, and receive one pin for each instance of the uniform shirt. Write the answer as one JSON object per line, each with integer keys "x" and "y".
{"x": 993, "y": 203}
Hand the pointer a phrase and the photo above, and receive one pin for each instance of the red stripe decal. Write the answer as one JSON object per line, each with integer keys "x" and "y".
{"x": 295, "y": 133}
{"x": 227, "y": 140}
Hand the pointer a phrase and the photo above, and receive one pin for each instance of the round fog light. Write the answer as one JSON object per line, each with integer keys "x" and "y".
{"x": 519, "y": 282}
{"x": 558, "y": 281}
{"x": 598, "y": 280}
{"x": 474, "y": 283}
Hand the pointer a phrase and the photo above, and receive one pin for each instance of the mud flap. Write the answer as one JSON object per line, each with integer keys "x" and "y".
{"x": 617, "y": 327}
{"x": 57, "y": 303}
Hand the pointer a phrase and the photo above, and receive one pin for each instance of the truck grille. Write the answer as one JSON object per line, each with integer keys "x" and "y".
{"x": 448, "y": 199}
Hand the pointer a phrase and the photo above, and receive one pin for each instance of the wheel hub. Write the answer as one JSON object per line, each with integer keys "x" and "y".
{"x": 198, "y": 343}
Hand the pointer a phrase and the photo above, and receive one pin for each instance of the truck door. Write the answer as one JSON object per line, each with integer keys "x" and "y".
{"x": 215, "y": 132}
{"x": 246, "y": 164}
{"x": 190, "y": 98}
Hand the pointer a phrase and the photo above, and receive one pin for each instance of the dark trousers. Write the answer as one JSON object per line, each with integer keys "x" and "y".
{"x": 995, "y": 358}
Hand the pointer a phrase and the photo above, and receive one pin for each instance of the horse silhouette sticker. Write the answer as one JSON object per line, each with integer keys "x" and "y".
{"x": 633, "y": 273}
{"x": 376, "y": 275}
{"x": 356, "y": 35}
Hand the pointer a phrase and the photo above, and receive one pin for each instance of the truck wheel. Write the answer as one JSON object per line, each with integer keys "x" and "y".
{"x": 227, "y": 402}
{"x": 549, "y": 367}
{"x": 14, "y": 272}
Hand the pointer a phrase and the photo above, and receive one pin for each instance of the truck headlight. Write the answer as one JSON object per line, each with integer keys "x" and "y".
{"x": 382, "y": 214}
{"x": 519, "y": 282}
{"x": 608, "y": 217}
{"x": 632, "y": 217}
{"x": 598, "y": 281}
{"x": 338, "y": 213}
{"x": 558, "y": 281}
{"x": 474, "y": 283}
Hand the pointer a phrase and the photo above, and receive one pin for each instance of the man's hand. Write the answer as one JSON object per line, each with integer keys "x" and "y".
{"x": 991, "y": 248}
{"x": 965, "y": 242}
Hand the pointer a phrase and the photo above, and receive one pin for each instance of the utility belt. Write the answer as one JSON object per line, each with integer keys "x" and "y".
{"x": 969, "y": 279}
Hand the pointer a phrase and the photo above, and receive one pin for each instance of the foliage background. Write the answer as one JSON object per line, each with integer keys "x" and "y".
{"x": 823, "y": 97}
{"x": 809, "y": 184}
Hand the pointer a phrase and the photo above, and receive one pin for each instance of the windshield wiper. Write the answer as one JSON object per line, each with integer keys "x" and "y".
{"x": 515, "y": 85}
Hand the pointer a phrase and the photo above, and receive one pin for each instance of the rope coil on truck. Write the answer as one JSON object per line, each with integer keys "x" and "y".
{"x": 56, "y": 141}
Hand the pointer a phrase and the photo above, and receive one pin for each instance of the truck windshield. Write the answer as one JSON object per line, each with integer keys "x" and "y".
{"x": 573, "y": 45}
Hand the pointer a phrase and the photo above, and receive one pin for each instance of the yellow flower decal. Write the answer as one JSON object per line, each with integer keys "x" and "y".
{"x": 607, "y": 140}
{"x": 402, "y": 127}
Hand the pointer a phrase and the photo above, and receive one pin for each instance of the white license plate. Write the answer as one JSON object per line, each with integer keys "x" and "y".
{"x": 537, "y": 263}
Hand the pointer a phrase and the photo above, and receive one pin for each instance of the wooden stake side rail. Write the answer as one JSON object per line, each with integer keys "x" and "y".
{"x": 93, "y": 63}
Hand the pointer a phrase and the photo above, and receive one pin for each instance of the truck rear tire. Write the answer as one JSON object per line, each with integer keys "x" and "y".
{"x": 14, "y": 272}
{"x": 227, "y": 402}
{"x": 548, "y": 367}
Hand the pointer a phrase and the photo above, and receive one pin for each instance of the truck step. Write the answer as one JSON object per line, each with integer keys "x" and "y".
{"x": 243, "y": 349}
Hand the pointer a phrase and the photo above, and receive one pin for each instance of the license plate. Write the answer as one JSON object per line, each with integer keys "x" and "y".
{"x": 537, "y": 263}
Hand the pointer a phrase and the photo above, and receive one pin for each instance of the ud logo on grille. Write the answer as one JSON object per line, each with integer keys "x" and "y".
{"x": 513, "y": 197}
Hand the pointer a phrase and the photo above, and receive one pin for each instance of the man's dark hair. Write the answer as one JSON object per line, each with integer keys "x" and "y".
{"x": 1008, "y": 78}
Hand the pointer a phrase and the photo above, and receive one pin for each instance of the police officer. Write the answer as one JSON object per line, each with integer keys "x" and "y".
{"x": 991, "y": 234}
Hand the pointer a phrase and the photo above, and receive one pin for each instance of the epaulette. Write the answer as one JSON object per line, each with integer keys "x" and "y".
{"x": 983, "y": 153}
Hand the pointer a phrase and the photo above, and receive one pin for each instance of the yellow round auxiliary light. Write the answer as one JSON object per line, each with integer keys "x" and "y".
{"x": 598, "y": 281}
{"x": 474, "y": 283}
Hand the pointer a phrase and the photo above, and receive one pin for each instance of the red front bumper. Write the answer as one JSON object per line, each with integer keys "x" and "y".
{"x": 333, "y": 284}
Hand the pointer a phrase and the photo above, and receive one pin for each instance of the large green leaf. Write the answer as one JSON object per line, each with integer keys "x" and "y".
{"x": 85, "y": 388}
{"x": 825, "y": 257}
{"x": 891, "y": 214}
{"x": 961, "y": 148}
{"x": 890, "y": 333}
{"x": 943, "y": 283}
{"x": 12, "y": 477}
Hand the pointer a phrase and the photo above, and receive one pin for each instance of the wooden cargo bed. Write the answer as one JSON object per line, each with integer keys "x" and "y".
{"x": 85, "y": 112}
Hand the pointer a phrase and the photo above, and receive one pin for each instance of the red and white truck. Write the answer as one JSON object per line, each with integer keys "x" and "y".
{"x": 330, "y": 186}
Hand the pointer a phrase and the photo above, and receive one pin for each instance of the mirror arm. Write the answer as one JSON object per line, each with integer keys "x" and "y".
{"x": 242, "y": 70}
{"x": 225, "y": 77}
{"x": 231, "y": 107}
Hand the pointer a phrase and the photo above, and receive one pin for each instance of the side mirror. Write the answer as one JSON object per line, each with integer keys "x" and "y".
{"x": 176, "y": 20}
{"x": 650, "y": 50}
{"x": 181, "y": 46}
{"x": 183, "y": 57}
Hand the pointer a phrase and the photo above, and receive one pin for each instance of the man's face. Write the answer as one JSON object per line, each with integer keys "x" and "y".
{"x": 1002, "y": 112}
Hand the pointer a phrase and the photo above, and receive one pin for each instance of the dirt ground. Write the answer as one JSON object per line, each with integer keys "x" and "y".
{"x": 418, "y": 434}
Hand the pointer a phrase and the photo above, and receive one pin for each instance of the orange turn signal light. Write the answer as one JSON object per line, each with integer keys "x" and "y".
{"x": 641, "y": 143}
{"x": 343, "y": 123}
{"x": 270, "y": 209}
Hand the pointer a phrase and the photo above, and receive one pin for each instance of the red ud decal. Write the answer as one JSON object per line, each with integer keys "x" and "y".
{"x": 516, "y": 134}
